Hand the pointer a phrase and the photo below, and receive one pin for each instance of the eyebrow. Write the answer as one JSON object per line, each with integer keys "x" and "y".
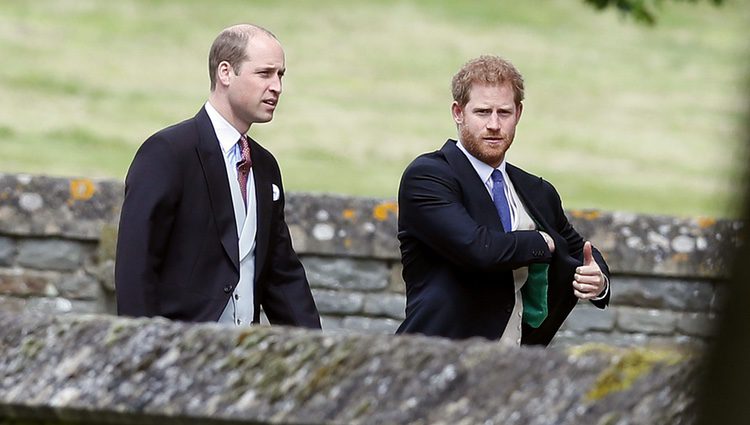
{"x": 487, "y": 107}
{"x": 269, "y": 68}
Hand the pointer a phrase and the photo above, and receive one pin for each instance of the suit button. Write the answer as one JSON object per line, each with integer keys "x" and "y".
{"x": 228, "y": 289}
{"x": 508, "y": 309}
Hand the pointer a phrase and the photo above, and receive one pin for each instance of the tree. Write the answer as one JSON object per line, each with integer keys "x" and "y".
{"x": 643, "y": 11}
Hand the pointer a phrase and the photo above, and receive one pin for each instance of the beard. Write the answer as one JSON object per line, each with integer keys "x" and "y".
{"x": 475, "y": 145}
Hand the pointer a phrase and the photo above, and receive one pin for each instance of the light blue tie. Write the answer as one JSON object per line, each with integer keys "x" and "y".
{"x": 501, "y": 202}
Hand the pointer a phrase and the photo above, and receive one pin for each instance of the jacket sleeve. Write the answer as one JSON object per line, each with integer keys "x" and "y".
{"x": 152, "y": 193}
{"x": 431, "y": 208}
{"x": 575, "y": 244}
{"x": 287, "y": 299}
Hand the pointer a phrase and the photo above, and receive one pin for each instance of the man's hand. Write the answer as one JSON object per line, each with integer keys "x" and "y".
{"x": 549, "y": 240}
{"x": 589, "y": 281}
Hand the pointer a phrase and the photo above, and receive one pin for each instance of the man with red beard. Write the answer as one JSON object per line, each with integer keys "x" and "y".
{"x": 486, "y": 247}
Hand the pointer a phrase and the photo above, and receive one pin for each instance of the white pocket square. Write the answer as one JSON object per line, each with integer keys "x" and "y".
{"x": 276, "y": 192}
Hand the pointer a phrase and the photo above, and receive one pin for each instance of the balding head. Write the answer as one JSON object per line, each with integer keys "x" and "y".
{"x": 231, "y": 46}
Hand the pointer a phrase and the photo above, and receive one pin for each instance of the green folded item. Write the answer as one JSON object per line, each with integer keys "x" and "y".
{"x": 534, "y": 294}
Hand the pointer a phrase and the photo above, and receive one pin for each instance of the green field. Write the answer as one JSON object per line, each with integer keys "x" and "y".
{"x": 618, "y": 115}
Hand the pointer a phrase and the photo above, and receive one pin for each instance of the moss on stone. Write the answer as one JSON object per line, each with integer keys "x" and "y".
{"x": 114, "y": 334}
{"x": 107, "y": 243}
{"x": 628, "y": 366}
{"x": 338, "y": 362}
{"x": 274, "y": 372}
{"x": 363, "y": 408}
{"x": 30, "y": 347}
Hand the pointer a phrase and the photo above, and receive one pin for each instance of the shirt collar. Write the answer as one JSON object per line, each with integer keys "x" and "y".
{"x": 483, "y": 170}
{"x": 228, "y": 136}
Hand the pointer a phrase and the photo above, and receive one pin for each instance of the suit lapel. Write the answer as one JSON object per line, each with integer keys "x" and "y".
{"x": 263, "y": 195}
{"x": 477, "y": 200}
{"x": 530, "y": 189}
{"x": 219, "y": 195}
{"x": 249, "y": 227}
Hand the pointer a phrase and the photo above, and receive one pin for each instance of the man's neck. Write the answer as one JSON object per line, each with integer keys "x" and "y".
{"x": 222, "y": 107}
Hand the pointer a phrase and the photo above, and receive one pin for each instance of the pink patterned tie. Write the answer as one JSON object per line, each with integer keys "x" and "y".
{"x": 243, "y": 167}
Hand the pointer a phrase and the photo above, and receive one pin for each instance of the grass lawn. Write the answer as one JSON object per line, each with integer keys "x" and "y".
{"x": 617, "y": 116}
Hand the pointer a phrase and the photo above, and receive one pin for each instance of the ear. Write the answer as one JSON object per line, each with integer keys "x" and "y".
{"x": 457, "y": 112}
{"x": 223, "y": 73}
{"x": 519, "y": 109}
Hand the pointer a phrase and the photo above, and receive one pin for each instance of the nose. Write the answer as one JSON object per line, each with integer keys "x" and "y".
{"x": 276, "y": 85}
{"x": 493, "y": 123}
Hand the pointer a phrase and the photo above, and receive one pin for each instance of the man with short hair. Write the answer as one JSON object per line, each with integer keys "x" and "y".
{"x": 486, "y": 247}
{"x": 202, "y": 231}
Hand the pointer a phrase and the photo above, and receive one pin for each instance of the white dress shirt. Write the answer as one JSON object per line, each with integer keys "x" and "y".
{"x": 240, "y": 308}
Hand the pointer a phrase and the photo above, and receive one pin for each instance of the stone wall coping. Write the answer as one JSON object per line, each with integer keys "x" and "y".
{"x": 345, "y": 226}
{"x": 84, "y": 369}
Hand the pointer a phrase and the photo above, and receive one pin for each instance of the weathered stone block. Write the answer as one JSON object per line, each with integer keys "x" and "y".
{"x": 390, "y": 305}
{"x": 50, "y": 254}
{"x": 567, "y": 338}
{"x": 719, "y": 298}
{"x": 51, "y": 305}
{"x": 663, "y": 294}
{"x": 79, "y": 286}
{"x": 331, "y": 323}
{"x": 54, "y": 206}
{"x": 586, "y": 317}
{"x": 647, "y": 321}
{"x": 57, "y": 305}
{"x": 396, "y": 280}
{"x": 697, "y": 324}
{"x": 619, "y": 339}
{"x": 660, "y": 245}
{"x": 20, "y": 282}
{"x": 699, "y": 344}
{"x": 11, "y": 304}
{"x": 104, "y": 273}
{"x": 346, "y": 273}
{"x": 106, "y": 248}
{"x": 343, "y": 225}
{"x": 337, "y": 302}
{"x": 7, "y": 251}
{"x": 371, "y": 325}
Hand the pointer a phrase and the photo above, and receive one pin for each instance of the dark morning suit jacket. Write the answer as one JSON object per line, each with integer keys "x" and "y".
{"x": 457, "y": 260}
{"x": 177, "y": 248}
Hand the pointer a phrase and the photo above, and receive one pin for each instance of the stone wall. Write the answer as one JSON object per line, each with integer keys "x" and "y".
{"x": 57, "y": 243}
{"x": 75, "y": 369}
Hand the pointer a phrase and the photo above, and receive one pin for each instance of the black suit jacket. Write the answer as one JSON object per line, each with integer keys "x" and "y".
{"x": 457, "y": 260}
{"x": 177, "y": 248}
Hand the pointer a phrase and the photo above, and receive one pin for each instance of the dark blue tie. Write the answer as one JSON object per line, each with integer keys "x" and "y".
{"x": 501, "y": 202}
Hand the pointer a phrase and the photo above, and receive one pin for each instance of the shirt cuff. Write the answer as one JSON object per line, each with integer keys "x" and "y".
{"x": 605, "y": 292}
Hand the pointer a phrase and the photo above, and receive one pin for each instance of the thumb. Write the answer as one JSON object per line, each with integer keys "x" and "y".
{"x": 588, "y": 255}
